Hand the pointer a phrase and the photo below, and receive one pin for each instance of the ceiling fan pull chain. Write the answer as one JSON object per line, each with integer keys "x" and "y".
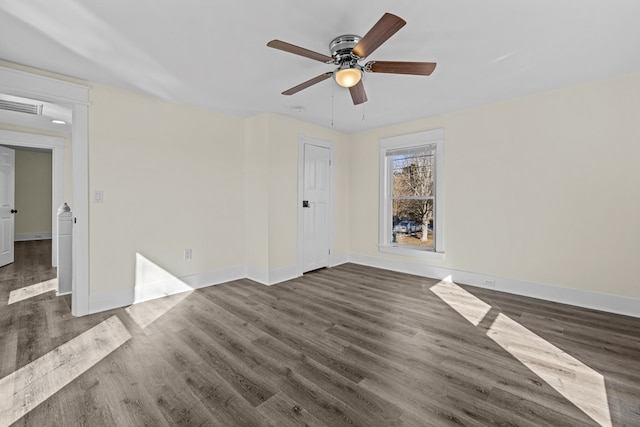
{"x": 331, "y": 105}
{"x": 363, "y": 118}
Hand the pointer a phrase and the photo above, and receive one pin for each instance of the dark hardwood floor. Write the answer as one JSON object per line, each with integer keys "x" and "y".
{"x": 346, "y": 346}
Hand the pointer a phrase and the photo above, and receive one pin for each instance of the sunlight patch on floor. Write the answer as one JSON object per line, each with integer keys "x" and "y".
{"x": 31, "y": 291}
{"x": 34, "y": 383}
{"x": 583, "y": 386}
{"x": 151, "y": 283}
{"x": 577, "y": 382}
{"x": 146, "y": 313}
{"x": 467, "y": 305}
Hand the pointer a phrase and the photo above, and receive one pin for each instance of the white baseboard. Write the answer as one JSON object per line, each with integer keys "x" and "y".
{"x": 197, "y": 281}
{"x": 272, "y": 277}
{"x": 581, "y": 298}
{"x": 124, "y": 297}
{"x": 283, "y": 274}
{"x": 257, "y": 275}
{"x": 577, "y": 297}
{"x": 109, "y": 300}
{"x": 338, "y": 259}
{"x": 23, "y": 237}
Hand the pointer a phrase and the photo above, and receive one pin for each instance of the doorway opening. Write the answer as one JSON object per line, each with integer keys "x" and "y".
{"x": 56, "y": 146}
{"x": 74, "y": 96}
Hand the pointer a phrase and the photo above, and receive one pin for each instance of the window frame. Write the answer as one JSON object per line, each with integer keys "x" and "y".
{"x": 385, "y": 193}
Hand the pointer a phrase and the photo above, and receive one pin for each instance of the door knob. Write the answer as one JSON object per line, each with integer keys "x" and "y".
{"x": 305, "y": 204}
{"x": 14, "y": 210}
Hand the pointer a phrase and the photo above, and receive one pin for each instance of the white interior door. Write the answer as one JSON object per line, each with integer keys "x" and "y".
{"x": 7, "y": 201}
{"x": 316, "y": 207}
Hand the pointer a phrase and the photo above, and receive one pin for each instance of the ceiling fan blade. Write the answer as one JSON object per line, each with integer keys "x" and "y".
{"x": 397, "y": 67}
{"x": 387, "y": 26}
{"x": 308, "y": 83}
{"x": 297, "y": 50}
{"x": 358, "y": 94}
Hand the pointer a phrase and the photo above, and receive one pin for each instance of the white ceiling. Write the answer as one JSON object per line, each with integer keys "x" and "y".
{"x": 213, "y": 54}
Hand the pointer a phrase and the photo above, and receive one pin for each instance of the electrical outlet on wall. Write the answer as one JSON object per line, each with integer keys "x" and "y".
{"x": 188, "y": 254}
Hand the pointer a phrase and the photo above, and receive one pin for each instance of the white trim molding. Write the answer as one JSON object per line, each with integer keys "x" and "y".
{"x": 23, "y": 237}
{"x": 587, "y": 299}
{"x": 20, "y": 83}
{"x": 257, "y": 275}
{"x": 338, "y": 259}
{"x": 149, "y": 291}
{"x": 28, "y": 85}
{"x": 283, "y": 274}
{"x": 272, "y": 277}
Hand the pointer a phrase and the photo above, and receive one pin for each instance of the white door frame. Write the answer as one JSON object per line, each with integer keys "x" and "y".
{"x": 7, "y": 205}
{"x": 56, "y": 145}
{"x": 20, "y": 83}
{"x": 302, "y": 140}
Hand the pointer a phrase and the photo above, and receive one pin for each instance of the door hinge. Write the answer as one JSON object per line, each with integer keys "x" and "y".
{"x": 329, "y": 251}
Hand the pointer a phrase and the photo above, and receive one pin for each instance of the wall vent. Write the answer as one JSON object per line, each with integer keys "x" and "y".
{"x": 21, "y": 107}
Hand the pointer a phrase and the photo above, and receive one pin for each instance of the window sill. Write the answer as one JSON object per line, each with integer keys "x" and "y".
{"x": 420, "y": 253}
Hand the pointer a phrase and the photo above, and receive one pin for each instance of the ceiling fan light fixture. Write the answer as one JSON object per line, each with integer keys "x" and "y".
{"x": 348, "y": 76}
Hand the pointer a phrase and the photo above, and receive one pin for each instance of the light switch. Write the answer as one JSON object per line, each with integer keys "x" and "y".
{"x": 98, "y": 196}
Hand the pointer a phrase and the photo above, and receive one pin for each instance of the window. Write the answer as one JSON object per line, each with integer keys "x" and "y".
{"x": 411, "y": 193}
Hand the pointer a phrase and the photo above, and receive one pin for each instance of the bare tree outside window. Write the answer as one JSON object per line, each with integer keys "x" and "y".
{"x": 412, "y": 194}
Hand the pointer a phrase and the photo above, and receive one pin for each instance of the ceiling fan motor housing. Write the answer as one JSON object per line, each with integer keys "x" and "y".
{"x": 342, "y": 46}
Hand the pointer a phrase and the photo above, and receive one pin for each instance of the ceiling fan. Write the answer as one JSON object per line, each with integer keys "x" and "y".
{"x": 347, "y": 50}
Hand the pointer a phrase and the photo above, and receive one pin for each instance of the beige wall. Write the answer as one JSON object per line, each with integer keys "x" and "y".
{"x": 542, "y": 188}
{"x": 176, "y": 177}
{"x": 256, "y": 162}
{"x": 272, "y": 190}
{"x": 172, "y": 177}
{"x": 33, "y": 192}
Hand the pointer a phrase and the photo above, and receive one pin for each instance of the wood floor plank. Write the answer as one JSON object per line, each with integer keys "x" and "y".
{"x": 227, "y": 406}
{"x": 288, "y": 304}
{"x": 82, "y": 399}
{"x": 246, "y": 383}
{"x": 8, "y": 349}
{"x": 358, "y": 399}
{"x": 228, "y": 331}
{"x": 348, "y": 311}
{"x": 391, "y": 350}
{"x": 346, "y": 346}
{"x": 283, "y": 411}
{"x": 114, "y": 384}
{"x": 323, "y": 405}
{"x": 314, "y": 344}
